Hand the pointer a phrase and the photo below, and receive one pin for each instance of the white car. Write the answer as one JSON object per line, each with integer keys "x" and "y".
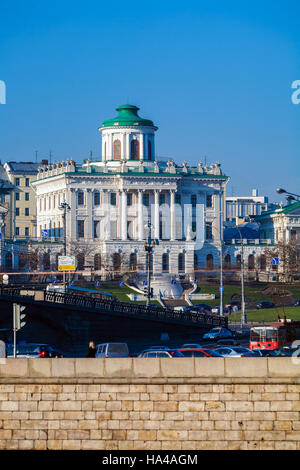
{"x": 235, "y": 351}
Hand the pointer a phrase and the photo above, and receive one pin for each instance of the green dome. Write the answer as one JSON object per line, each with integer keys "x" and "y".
{"x": 128, "y": 116}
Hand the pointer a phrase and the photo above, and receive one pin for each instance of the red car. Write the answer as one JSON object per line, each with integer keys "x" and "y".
{"x": 203, "y": 352}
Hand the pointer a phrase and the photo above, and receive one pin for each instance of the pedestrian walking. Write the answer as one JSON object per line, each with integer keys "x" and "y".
{"x": 91, "y": 350}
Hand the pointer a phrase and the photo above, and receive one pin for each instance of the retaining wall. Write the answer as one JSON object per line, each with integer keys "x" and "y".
{"x": 122, "y": 404}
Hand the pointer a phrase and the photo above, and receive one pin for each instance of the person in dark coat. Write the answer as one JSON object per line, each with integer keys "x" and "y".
{"x": 91, "y": 350}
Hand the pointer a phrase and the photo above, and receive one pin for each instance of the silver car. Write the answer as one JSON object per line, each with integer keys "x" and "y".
{"x": 235, "y": 351}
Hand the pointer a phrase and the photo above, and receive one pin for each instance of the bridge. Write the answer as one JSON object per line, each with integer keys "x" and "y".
{"x": 71, "y": 320}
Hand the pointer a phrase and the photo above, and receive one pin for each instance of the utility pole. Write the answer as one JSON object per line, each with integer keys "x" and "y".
{"x": 64, "y": 206}
{"x": 243, "y": 314}
{"x": 149, "y": 244}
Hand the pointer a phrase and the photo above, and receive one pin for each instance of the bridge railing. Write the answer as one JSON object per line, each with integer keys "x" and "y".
{"x": 125, "y": 308}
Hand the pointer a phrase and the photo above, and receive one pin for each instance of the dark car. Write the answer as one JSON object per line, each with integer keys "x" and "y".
{"x": 203, "y": 352}
{"x": 33, "y": 350}
{"x": 266, "y": 352}
{"x": 201, "y": 308}
{"x": 162, "y": 353}
{"x": 228, "y": 342}
{"x": 265, "y": 304}
{"x": 297, "y": 303}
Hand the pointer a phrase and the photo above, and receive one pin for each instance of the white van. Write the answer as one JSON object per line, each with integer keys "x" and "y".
{"x": 112, "y": 350}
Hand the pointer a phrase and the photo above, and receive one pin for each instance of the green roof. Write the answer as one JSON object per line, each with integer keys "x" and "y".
{"x": 128, "y": 116}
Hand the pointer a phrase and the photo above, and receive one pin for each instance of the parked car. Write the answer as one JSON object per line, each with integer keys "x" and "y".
{"x": 182, "y": 308}
{"x": 33, "y": 350}
{"x": 233, "y": 306}
{"x": 234, "y": 351}
{"x": 228, "y": 342}
{"x": 265, "y": 352}
{"x": 264, "y": 304}
{"x": 216, "y": 309}
{"x": 163, "y": 348}
{"x": 199, "y": 352}
{"x": 297, "y": 303}
{"x": 170, "y": 353}
{"x": 112, "y": 350}
{"x": 191, "y": 346}
{"x": 218, "y": 333}
{"x": 288, "y": 352}
{"x": 201, "y": 307}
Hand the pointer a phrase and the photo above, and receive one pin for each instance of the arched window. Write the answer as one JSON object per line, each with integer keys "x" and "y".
{"x": 238, "y": 261}
{"x": 227, "y": 261}
{"x": 46, "y": 261}
{"x": 116, "y": 259}
{"x": 263, "y": 263}
{"x": 195, "y": 261}
{"x": 80, "y": 261}
{"x": 8, "y": 260}
{"x": 132, "y": 262}
{"x": 165, "y": 263}
{"x": 251, "y": 262}
{"x": 149, "y": 150}
{"x": 181, "y": 262}
{"x": 209, "y": 261}
{"x": 97, "y": 261}
{"x": 117, "y": 150}
{"x": 134, "y": 150}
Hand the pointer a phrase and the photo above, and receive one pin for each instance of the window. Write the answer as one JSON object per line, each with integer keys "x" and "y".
{"x": 129, "y": 199}
{"x": 117, "y": 150}
{"x": 132, "y": 261}
{"x": 194, "y": 200}
{"x": 251, "y": 262}
{"x": 27, "y": 182}
{"x": 80, "y": 198}
{"x": 209, "y": 200}
{"x": 27, "y": 211}
{"x": 17, "y": 231}
{"x": 113, "y": 199}
{"x": 149, "y": 150}
{"x": 17, "y": 211}
{"x": 209, "y": 261}
{"x": 134, "y": 149}
{"x": 17, "y": 196}
{"x": 162, "y": 198}
{"x": 177, "y": 199}
{"x": 26, "y": 196}
{"x": 17, "y": 181}
{"x": 165, "y": 262}
{"x": 96, "y": 229}
{"x": 26, "y": 231}
{"x": 97, "y": 261}
{"x": 227, "y": 261}
{"x": 80, "y": 228}
{"x": 96, "y": 198}
{"x": 2, "y": 198}
{"x": 208, "y": 231}
{"x": 146, "y": 199}
{"x": 181, "y": 262}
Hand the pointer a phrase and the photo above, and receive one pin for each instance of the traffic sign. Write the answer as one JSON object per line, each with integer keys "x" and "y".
{"x": 44, "y": 233}
{"x": 275, "y": 261}
{"x": 66, "y": 263}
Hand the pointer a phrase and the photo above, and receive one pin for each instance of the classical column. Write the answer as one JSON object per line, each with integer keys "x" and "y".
{"x": 156, "y": 214}
{"x": 127, "y": 153}
{"x": 107, "y": 228}
{"x": 172, "y": 214}
{"x": 141, "y": 146}
{"x": 71, "y": 226}
{"x": 110, "y": 148}
{"x": 124, "y": 214}
{"x": 89, "y": 209}
{"x": 123, "y": 147}
{"x": 140, "y": 215}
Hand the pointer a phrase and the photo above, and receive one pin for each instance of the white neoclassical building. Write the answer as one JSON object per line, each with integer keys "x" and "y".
{"x": 114, "y": 201}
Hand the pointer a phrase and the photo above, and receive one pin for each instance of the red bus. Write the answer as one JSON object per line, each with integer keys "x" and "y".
{"x": 274, "y": 335}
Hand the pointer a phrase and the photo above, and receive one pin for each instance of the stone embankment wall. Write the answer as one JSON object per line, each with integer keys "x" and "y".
{"x": 186, "y": 404}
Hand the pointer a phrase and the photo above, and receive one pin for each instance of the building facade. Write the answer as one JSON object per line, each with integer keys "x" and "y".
{"x": 239, "y": 207}
{"x": 116, "y": 203}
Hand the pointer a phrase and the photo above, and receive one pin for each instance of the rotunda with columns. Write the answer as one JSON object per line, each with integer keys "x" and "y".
{"x": 116, "y": 201}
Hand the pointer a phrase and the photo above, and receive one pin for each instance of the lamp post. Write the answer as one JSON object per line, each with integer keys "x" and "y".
{"x": 243, "y": 315}
{"x": 290, "y": 196}
{"x": 64, "y": 206}
{"x": 149, "y": 244}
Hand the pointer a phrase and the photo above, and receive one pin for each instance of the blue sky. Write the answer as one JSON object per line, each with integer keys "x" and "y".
{"x": 215, "y": 77}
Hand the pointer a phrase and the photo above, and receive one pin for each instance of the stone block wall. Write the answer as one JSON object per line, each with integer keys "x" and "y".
{"x": 151, "y": 404}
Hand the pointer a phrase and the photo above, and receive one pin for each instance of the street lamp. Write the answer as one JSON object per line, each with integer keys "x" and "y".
{"x": 243, "y": 315}
{"x": 149, "y": 245}
{"x": 290, "y": 196}
{"x": 64, "y": 206}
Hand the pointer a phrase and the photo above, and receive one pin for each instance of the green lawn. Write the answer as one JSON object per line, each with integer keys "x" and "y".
{"x": 268, "y": 314}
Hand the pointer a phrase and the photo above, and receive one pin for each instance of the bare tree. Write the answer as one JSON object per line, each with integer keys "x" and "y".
{"x": 288, "y": 267}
